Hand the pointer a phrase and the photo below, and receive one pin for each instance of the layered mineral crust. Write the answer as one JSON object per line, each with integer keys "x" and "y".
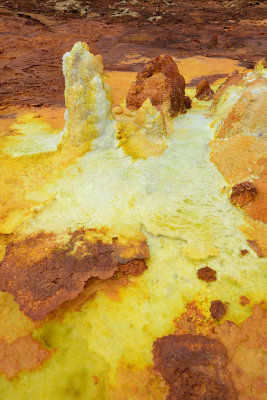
{"x": 44, "y": 271}
{"x": 161, "y": 82}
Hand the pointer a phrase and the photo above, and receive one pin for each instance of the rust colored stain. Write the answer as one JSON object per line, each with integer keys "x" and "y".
{"x": 204, "y": 91}
{"x": 139, "y": 384}
{"x": 244, "y": 301}
{"x": 194, "y": 367}
{"x": 42, "y": 281}
{"x": 160, "y": 81}
{"x": 243, "y": 193}
{"x": 24, "y": 354}
{"x": 254, "y": 245}
{"x": 217, "y": 309}
{"x": 246, "y": 347}
{"x": 206, "y": 274}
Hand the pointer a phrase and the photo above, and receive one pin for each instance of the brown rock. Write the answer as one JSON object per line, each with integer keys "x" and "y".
{"x": 204, "y": 91}
{"x": 25, "y": 353}
{"x": 217, "y": 309}
{"x": 206, "y": 274}
{"x": 160, "y": 81}
{"x": 243, "y": 193}
{"x": 41, "y": 281}
{"x": 194, "y": 367}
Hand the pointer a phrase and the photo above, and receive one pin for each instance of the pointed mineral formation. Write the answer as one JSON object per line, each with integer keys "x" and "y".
{"x": 87, "y": 98}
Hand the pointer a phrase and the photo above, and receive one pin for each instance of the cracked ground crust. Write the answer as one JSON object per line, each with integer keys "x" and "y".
{"x": 42, "y": 273}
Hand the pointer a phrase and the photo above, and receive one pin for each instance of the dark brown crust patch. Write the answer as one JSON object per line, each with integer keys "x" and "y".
{"x": 204, "y": 91}
{"x": 160, "y": 81}
{"x": 194, "y": 367}
{"x": 217, "y": 309}
{"x": 245, "y": 346}
{"x": 207, "y": 274}
{"x": 243, "y": 252}
{"x": 42, "y": 282}
{"x": 24, "y": 354}
{"x": 243, "y": 193}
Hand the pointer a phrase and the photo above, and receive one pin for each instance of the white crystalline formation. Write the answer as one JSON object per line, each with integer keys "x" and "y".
{"x": 87, "y": 98}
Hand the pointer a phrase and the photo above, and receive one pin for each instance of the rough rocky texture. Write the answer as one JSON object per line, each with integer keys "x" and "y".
{"x": 194, "y": 367}
{"x": 25, "y": 353}
{"x": 204, "y": 91}
{"x": 34, "y": 35}
{"x": 206, "y": 274}
{"x": 187, "y": 102}
{"x": 243, "y": 193}
{"x": 54, "y": 271}
{"x": 161, "y": 82}
{"x": 245, "y": 346}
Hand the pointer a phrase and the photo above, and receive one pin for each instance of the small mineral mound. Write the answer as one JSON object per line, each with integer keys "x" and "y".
{"x": 204, "y": 91}
{"x": 160, "y": 81}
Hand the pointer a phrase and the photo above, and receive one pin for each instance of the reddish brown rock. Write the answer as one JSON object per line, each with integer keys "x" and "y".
{"x": 25, "y": 353}
{"x": 194, "y": 367}
{"x": 206, "y": 274}
{"x": 204, "y": 91}
{"x": 217, "y": 309}
{"x": 41, "y": 281}
{"x": 187, "y": 102}
{"x": 160, "y": 81}
{"x": 243, "y": 252}
{"x": 243, "y": 193}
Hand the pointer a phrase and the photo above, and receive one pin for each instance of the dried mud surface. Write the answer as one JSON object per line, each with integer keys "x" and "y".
{"x": 35, "y": 35}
